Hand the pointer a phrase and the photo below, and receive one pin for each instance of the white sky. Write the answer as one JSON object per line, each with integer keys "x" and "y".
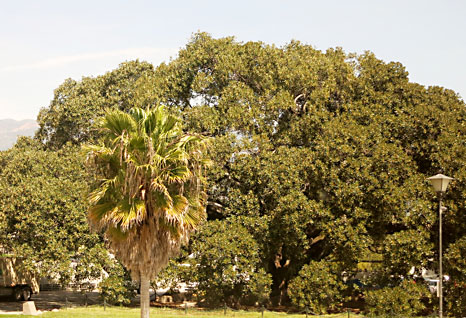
{"x": 44, "y": 42}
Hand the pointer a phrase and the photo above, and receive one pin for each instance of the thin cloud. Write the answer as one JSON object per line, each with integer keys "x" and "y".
{"x": 159, "y": 54}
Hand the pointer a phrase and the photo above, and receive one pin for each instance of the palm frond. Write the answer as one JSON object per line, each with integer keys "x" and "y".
{"x": 161, "y": 201}
{"x": 170, "y": 227}
{"x": 193, "y": 217}
{"x": 179, "y": 205}
{"x": 160, "y": 115}
{"x": 190, "y": 141}
{"x": 170, "y": 123}
{"x": 137, "y": 142}
{"x": 150, "y": 123}
{"x": 101, "y": 152}
{"x": 116, "y": 233}
{"x": 121, "y": 208}
{"x": 88, "y": 148}
{"x": 98, "y": 212}
{"x": 178, "y": 174}
{"x": 100, "y": 192}
{"x": 135, "y": 213}
{"x": 163, "y": 197}
{"x": 118, "y": 122}
{"x": 138, "y": 114}
{"x": 175, "y": 153}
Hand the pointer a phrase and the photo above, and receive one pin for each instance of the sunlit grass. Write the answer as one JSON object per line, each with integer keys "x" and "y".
{"x": 122, "y": 312}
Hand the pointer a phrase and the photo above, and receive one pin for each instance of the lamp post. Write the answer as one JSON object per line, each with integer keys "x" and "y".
{"x": 440, "y": 183}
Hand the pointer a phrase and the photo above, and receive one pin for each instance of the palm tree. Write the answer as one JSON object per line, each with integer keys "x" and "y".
{"x": 149, "y": 189}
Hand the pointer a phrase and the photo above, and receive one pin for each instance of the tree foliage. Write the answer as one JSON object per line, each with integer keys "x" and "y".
{"x": 456, "y": 269}
{"x": 322, "y": 156}
{"x": 117, "y": 288}
{"x": 42, "y": 208}
{"x": 318, "y": 287}
{"x": 325, "y": 152}
{"x": 77, "y": 104}
{"x": 226, "y": 264}
{"x": 407, "y": 299}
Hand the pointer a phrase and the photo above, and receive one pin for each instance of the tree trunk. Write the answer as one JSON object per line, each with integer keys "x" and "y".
{"x": 145, "y": 300}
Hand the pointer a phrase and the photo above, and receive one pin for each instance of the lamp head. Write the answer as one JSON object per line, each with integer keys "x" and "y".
{"x": 440, "y": 182}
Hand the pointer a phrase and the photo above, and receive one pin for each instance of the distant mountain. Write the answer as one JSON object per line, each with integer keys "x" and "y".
{"x": 10, "y": 129}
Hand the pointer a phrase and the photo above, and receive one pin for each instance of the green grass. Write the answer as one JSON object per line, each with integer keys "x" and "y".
{"x": 122, "y": 312}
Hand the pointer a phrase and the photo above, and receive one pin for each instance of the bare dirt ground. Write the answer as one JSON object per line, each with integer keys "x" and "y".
{"x": 49, "y": 300}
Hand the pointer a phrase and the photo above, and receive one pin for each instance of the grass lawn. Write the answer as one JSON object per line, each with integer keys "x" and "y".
{"x": 117, "y": 312}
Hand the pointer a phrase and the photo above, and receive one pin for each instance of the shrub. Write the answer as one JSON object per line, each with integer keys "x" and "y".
{"x": 226, "y": 265}
{"x": 318, "y": 286}
{"x": 455, "y": 298}
{"x": 117, "y": 288}
{"x": 406, "y": 299}
{"x": 455, "y": 290}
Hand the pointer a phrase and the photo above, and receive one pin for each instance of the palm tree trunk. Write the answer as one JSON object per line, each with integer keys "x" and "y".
{"x": 145, "y": 300}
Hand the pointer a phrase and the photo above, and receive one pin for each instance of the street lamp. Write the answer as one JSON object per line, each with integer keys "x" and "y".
{"x": 440, "y": 184}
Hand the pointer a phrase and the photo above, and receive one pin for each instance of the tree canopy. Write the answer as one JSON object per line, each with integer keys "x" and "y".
{"x": 71, "y": 115}
{"x": 321, "y": 156}
{"x": 42, "y": 216}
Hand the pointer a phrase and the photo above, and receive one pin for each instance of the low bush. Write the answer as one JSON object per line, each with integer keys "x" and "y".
{"x": 455, "y": 298}
{"x": 117, "y": 288}
{"x": 317, "y": 287}
{"x": 409, "y": 298}
{"x": 226, "y": 264}
{"x": 455, "y": 289}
